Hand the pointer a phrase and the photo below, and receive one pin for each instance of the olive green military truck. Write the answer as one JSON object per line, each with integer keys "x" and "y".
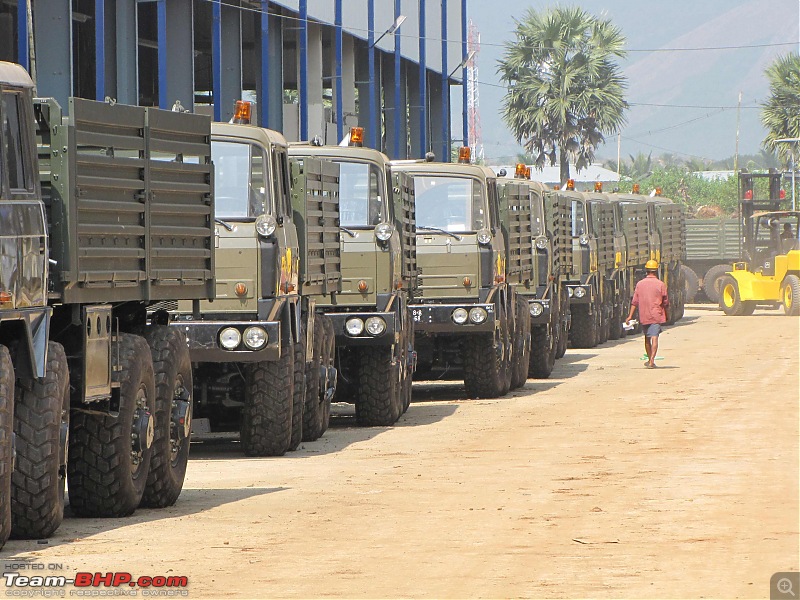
{"x": 544, "y": 292}
{"x": 465, "y": 314}
{"x": 263, "y": 355}
{"x": 374, "y": 334}
{"x": 114, "y": 216}
{"x": 590, "y": 285}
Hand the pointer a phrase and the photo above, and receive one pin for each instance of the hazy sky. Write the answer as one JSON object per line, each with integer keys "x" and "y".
{"x": 695, "y": 91}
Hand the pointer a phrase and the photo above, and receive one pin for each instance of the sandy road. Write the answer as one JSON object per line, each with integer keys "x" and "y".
{"x": 608, "y": 480}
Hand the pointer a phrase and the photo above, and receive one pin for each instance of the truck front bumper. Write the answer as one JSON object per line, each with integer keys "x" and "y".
{"x": 203, "y": 339}
{"x": 579, "y": 293}
{"x": 360, "y": 321}
{"x": 439, "y": 318}
{"x": 539, "y": 309}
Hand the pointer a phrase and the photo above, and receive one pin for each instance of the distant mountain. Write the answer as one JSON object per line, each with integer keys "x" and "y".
{"x": 705, "y": 78}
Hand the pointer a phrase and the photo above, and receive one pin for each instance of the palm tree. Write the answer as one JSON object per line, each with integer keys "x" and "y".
{"x": 781, "y": 111}
{"x": 565, "y": 89}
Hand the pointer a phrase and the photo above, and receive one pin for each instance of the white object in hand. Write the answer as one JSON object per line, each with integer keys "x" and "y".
{"x": 628, "y": 325}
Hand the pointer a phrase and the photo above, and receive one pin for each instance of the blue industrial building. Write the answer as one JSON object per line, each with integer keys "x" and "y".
{"x": 312, "y": 67}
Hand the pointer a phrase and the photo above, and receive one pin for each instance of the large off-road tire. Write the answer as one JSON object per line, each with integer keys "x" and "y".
{"x": 691, "y": 284}
{"x": 408, "y": 376}
{"x": 712, "y": 281}
{"x": 584, "y": 332}
{"x": 616, "y": 330}
{"x": 379, "y": 400}
{"x": 314, "y": 410}
{"x": 41, "y": 422}
{"x": 731, "y": 302}
{"x": 266, "y": 421}
{"x": 522, "y": 345}
{"x": 544, "y": 347}
{"x": 486, "y": 363}
{"x": 790, "y": 295}
{"x": 300, "y": 390}
{"x": 605, "y": 321}
{"x": 109, "y": 457}
{"x": 172, "y": 367}
{"x": 6, "y": 430}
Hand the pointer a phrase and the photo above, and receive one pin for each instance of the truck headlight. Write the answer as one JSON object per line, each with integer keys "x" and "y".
{"x": 536, "y": 309}
{"x": 230, "y": 338}
{"x": 384, "y": 231}
{"x": 583, "y": 240}
{"x": 541, "y": 243}
{"x": 375, "y": 325}
{"x": 580, "y": 292}
{"x": 484, "y": 237}
{"x": 570, "y": 292}
{"x": 255, "y": 337}
{"x": 460, "y": 316}
{"x": 266, "y": 225}
{"x": 354, "y": 326}
{"x": 478, "y": 315}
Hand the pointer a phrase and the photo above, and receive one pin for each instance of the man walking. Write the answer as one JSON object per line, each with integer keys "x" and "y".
{"x": 650, "y": 296}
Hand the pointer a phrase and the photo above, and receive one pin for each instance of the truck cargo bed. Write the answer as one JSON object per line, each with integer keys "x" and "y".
{"x": 130, "y": 204}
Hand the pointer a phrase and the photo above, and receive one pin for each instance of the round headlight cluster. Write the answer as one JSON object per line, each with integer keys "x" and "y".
{"x": 384, "y": 231}
{"x": 536, "y": 309}
{"x": 266, "y": 225}
{"x": 255, "y": 338}
{"x": 354, "y": 326}
{"x": 460, "y": 316}
{"x": 230, "y": 338}
{"x": 484, "y": 237}
{"x": 478, "y": 315}
{"x": 541, "y": 243}
{"x": 583, "y": 239}
{"x": 570, "y": 292}
{"x": 580, "y": 292}
{"x": 375, "y": 325}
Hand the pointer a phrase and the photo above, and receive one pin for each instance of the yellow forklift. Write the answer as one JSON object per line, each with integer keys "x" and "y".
{"x": 770, "y": 271}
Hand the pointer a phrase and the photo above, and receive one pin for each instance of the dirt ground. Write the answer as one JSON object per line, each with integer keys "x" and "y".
{"x": 607, "y": 480}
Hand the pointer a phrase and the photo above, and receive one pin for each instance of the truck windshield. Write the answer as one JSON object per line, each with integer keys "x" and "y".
{"x": 240, "y": 191}
{"x": 449, "y": 203}
{"x": 360, "y": 203}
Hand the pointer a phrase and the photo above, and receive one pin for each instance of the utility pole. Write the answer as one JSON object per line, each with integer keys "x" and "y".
{"x": 736, "y": 153}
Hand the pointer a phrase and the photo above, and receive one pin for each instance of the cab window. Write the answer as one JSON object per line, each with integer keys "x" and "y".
{"x": 280, "y": 171}
{"x": 240, "y": 190}
{"x": 360, "y": 201}
{"x": 13, "y": 151}
{"x": 449, "y": 203}
{"x": 578, "y": 218}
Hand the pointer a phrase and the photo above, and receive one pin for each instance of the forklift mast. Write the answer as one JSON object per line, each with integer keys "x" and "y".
{"x": 749, "y": 204}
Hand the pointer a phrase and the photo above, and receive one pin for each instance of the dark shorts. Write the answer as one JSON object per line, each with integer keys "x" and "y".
{"x": 652, "y": 330}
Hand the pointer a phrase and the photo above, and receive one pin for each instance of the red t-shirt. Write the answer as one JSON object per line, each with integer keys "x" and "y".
{"x": 651, "y": 298}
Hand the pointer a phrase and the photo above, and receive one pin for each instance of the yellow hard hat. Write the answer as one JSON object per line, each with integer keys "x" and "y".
{"x": 651, "y": 265}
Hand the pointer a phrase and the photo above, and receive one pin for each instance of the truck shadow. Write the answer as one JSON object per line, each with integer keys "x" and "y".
{"x": 75, "y": 529}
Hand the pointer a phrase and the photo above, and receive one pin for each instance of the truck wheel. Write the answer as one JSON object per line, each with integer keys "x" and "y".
{"x": 313, "y": 414}
{"x": 604, "y": 330}
{"x": 266, "y": 427}
{"x": 173, "y": 415}
{"x": 485, "y": 363}
{"x": 522, "y": 345}
{"x": 41, "y": 425}
{"x": 790, "y": 295}
{"x": 543, "y": 351}
{"x": 109, "y": 457}
{"x": 712, "y": 281}
{"x": 299, "y": 397}
{"x": 584, "y": 330}
{"x": 380, "y": 387}
{"x": 691, "y": 284}
{"x": 731, "y": 302}
{"x": 6, "y": 451}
